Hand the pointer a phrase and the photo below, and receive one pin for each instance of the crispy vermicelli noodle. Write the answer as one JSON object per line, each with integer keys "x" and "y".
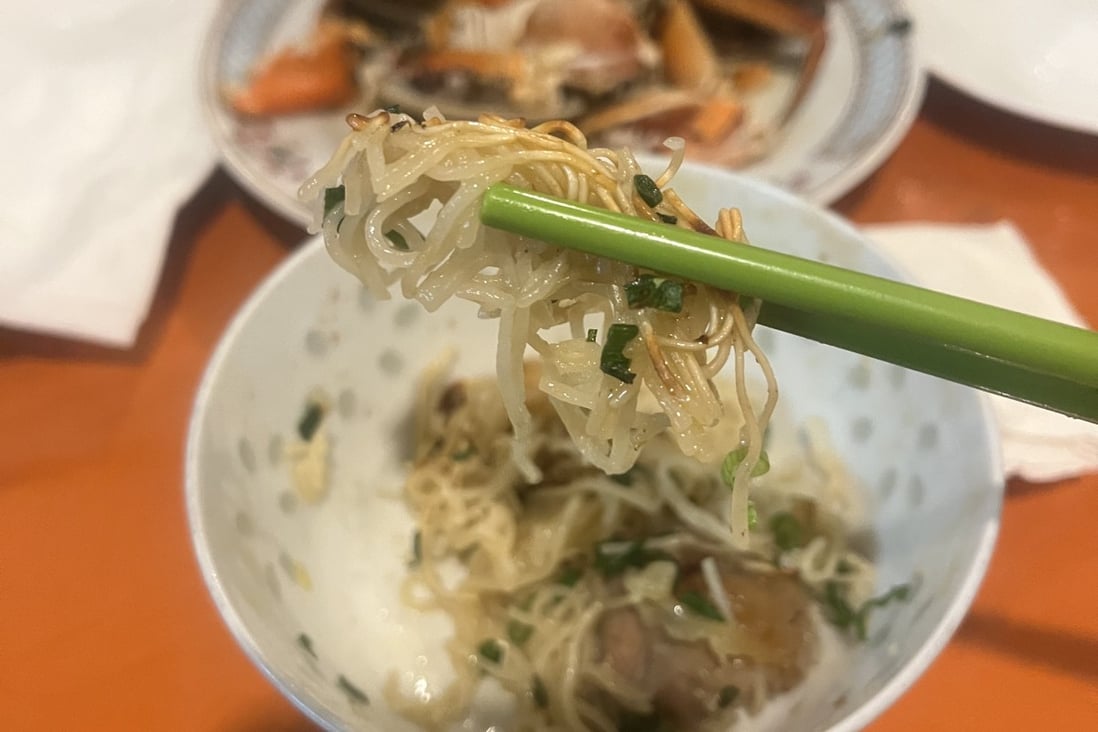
{"x": 392, "y": 168}
{"x": 596, "y": 498}
{"x": 540, "y": 586}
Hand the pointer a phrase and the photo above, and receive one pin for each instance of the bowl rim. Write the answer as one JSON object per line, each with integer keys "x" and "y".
{"x": 328, "y": 718}
{"x": 317, "y": 711}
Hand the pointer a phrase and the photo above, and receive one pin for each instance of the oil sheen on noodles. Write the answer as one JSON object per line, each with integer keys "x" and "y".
{"x": 390, "y": 168}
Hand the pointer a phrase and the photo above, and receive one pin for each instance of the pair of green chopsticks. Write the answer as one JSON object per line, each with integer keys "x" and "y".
{"x": 1030, "y": 359}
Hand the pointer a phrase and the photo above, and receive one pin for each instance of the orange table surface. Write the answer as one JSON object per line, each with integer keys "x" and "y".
{"x": 105, "y": 623}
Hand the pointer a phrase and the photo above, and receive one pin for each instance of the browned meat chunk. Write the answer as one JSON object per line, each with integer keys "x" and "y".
{"x": 687, "y": 681}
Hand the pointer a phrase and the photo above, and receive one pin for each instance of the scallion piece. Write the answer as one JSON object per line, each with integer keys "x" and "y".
{"x": 539, "y": 692}
{"x": 356, "y": 694}
{"x": 332, "y": 198}
{"x": 900, "y": 26}
{"x": 845, "y": 617}
{"x": 613, "y": 361}
{"x": 569, "y": 576}
{"x": 647, "y": 189}
{"x": 838, "y": 610}
{"x": 417, "y": 549}
{"x": 670, "y": 296}
{"x": 519, "y": 632}
{"x": 667, "y": 218}
{"x": 639, "y": 292}
{"x": 649, "y": 291}
{"x": 732, "y": 463}
{"x": 592, "y": 334}
{"x": 307, "y": 643}
{"x": 490, "y": 650}
{"x": 310, "y": 420}
{"x": 787, "y": 530}
{"x": 700, "y": 606}
{"x": 899, "y": 593}
{"x": 636, "y": 555}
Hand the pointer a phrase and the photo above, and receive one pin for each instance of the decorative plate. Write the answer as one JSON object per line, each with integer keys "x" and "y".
{"x": 866, "y": 94}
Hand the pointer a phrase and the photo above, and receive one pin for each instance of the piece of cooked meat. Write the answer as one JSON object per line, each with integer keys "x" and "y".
{"x": 685, "y": 680}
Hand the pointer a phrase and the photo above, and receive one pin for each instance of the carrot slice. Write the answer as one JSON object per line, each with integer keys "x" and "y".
{"x": 301, "y": 80}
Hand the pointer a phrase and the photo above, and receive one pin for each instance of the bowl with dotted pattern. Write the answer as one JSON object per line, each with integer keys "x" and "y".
{"x": 309, "y": 583}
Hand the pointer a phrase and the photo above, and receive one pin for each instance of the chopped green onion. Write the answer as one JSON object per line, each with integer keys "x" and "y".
{"x": 900, "y": 26}
{"x": 310, "y": 420}
{"x": 636, "y": 555}
{"x": 393, "y": 109}
{"x": 539, "y": 692}
{"x": 417, "y": 549}
{"x": 519, "y": 632}
{"x": 649, "y": 291}
{"x": 464, "y": 454}
{"x": 899, "y": 593}
{"x": 700, "y": 605}
{"x": 667, "y": 218}
{"x": 307, "y": 643}
{"x": 569, "y": 576}
{"x": 844, "y": 567}
{"x": 332, "y": 198}
{"x": 752, "y": 515}
{"x": 670, "y": 296}
{"x": 490, "y": 650}
{"x": 787, "y": 530}
{"x": 397, "y": 239}
{"x": 592, "y": 334}
{"x": 356, "y": 694}
{"x": 839, "y": 611}
{"x": 647, "y": 189}
{"x": 614, "y": 362}
{"x": 639, "y": 292}
{"x": 843, "y": 616}
{"x": 732, "y": 463}
{"x": 727, "y": 696}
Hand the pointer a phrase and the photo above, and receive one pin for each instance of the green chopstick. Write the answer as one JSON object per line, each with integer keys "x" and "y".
{"x": 1030, "y": 359}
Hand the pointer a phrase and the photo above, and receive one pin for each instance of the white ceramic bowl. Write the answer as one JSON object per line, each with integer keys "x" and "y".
{"x": 925, "y": 450}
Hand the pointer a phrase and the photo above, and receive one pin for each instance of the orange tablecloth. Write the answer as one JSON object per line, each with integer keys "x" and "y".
{"x": 105, "y": 623}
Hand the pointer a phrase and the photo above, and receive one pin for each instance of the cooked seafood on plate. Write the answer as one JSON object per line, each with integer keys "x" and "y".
{"x": 809, "y": 96}
{"x": 725, "y": 74}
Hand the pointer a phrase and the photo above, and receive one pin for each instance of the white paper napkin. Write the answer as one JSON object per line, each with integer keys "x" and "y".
{"x": 993, "y": 264}
{"x": 103, "y": 141}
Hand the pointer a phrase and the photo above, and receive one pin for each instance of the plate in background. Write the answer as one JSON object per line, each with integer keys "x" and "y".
{"x": 866, "y": 95}
{"x": 1034, "y": 59}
